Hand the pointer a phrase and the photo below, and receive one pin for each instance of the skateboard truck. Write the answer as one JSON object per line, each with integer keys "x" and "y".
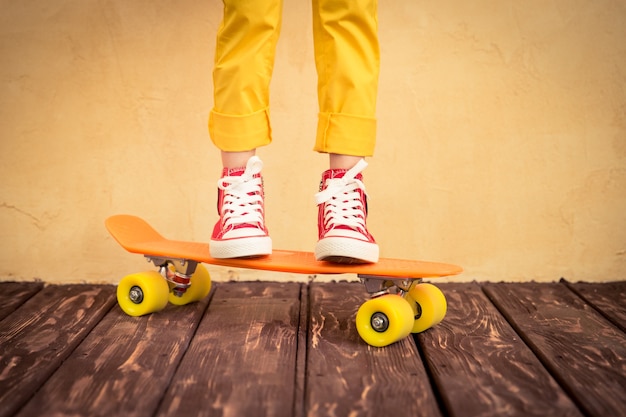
{"x": 377, "y": 285}
{"x": 180, "y": 277}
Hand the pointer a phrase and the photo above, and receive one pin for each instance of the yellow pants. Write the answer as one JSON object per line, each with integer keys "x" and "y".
{"x": 347, "y": 58}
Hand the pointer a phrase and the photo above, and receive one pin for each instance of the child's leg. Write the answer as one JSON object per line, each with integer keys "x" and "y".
{"x": 239, "y": 123}
{"x": 347, "y": 60}
{"x": 236, "y": 159}
{"x": 244, "y": 61}
{"x": 338, "y": 161}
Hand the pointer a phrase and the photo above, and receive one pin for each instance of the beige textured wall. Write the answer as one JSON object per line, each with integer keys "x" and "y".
{"x": 502, "y": 134}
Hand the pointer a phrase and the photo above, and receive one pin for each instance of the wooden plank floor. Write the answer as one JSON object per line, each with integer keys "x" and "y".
{"x": 289, "y": 349}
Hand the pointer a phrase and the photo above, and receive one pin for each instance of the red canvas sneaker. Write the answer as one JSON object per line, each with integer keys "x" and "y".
{"x": 240, "y": 231}
{"x": 342, "y": 202}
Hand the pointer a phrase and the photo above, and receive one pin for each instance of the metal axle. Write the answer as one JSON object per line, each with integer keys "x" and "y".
{"x": 180, "y": 276}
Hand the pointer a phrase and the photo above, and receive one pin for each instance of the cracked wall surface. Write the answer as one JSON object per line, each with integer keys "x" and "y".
{"x": 501, "y": 135}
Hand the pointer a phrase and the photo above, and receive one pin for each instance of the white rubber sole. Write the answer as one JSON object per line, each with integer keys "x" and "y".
{"x": 241, "y": 247}
{"x": 346, "y": 250}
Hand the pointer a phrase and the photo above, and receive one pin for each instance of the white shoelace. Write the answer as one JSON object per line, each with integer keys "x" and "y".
{"x": 343, "y": 201}
{"x": 243, "y": 201}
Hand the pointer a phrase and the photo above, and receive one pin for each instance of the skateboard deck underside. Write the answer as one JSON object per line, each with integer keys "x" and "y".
{"x": 137, "y": 236}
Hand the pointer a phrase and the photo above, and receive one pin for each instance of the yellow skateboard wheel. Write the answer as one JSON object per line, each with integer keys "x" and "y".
{"x": 429, "y": 306}
{"x": 384, "y": 320}
{"x": 199, "y": 288}
{"x": 142, "y": 293}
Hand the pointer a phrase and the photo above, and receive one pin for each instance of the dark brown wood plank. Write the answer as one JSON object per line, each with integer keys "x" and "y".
{"x": 242, "y": 361}
{"x": 301, "y": 354}
{"x": 123, "y": 367}
{"x": 345, "y": 376}
{"x": 14, "y": 294}
{"x": 47, "y": 329}
{"x": 608, "y": 298}
{"x": 583, "y": 351}
{"x": 480, "y": 365}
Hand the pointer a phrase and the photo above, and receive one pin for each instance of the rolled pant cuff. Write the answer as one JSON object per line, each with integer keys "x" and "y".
{"x": 345, "y": 134}
{"x": 238, "y": 133}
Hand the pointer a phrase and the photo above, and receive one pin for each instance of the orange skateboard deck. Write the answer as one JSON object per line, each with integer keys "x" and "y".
{"x": 180, "y": 281}
{"x": 137, "y": 236}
